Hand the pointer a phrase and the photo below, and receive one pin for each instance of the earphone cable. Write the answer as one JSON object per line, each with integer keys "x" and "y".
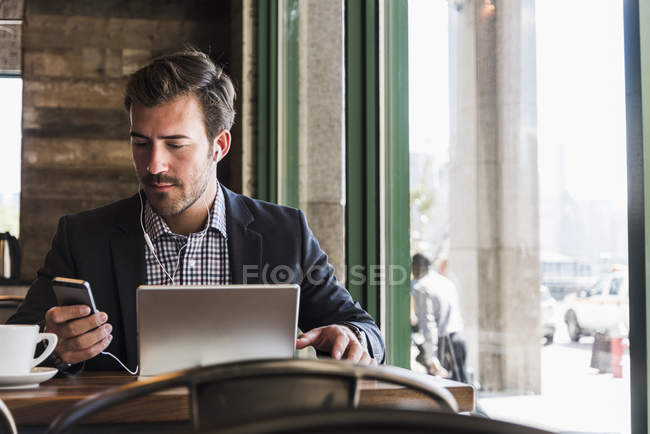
{"x": 150, "y": 245}
{"x": 137, "y": 368}
{"x": 202, "y": 236}
{"x": 147, "y": 238}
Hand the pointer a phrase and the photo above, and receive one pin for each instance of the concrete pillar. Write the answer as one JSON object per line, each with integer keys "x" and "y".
{"x": 321, "y": 119}
{"x": 321, "y": 145}
{"x": 494, "y": 223}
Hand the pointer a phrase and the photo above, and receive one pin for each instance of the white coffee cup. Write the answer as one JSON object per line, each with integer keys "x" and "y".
{"x": 17, "y": 347}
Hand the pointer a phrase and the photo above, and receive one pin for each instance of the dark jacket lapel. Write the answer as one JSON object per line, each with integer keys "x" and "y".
{"x": 127, "y": 248}
{"x": 244, "y": 244}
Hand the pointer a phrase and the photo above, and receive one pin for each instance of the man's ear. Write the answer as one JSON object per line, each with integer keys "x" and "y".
{"x": 221, "y": 145}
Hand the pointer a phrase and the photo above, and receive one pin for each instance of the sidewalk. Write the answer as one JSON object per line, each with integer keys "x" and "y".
{"x": 574, "y": 396}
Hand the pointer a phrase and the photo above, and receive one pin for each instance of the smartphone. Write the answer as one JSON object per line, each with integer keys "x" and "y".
{"x": 70, "y": 292}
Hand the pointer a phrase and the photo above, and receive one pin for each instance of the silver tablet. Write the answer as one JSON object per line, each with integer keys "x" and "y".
{"x": 182, "y": 327}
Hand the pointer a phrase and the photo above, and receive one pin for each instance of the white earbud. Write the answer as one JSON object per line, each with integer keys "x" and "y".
{"x": 149, "y": 243}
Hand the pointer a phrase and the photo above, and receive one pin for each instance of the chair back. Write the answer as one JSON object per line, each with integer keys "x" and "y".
{"x": 379, "y": 421}
{"x": 8, "y": 306}
{"x": 223, "y": 395}
{"x": 7, "y": 423}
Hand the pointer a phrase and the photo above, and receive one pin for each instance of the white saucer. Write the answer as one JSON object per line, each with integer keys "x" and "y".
{"x": 26, "y": 381}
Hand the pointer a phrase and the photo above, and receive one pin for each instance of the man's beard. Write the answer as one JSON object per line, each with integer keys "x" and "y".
{"x": 169, "y": 204}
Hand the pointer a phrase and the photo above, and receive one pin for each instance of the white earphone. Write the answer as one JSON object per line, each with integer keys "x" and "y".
{"x": 148, "y": 241}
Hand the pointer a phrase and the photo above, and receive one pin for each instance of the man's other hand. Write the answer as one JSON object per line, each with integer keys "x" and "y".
{"x": 81, "y": 336}
{"x": 339, "y": 341}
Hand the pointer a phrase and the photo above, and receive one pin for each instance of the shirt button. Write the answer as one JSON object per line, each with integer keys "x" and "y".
{"x": 191, "y": 263}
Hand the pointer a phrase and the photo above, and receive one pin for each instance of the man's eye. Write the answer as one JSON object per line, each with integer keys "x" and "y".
{"x": 174, "y": 145}
{"x": 139, "y": 144}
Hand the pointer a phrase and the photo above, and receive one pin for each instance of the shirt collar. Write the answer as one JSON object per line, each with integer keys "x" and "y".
{"x": 157, "y": 226}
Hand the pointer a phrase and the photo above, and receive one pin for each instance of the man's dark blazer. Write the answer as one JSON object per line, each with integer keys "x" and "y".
{"x": 105, "y": 247}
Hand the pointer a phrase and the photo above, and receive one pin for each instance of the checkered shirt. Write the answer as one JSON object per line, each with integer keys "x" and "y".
{"x": 204, "y": 261}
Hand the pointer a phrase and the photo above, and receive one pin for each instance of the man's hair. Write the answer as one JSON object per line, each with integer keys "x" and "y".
{"x": 420, "y": 264}
{"x": 186, "y": 72}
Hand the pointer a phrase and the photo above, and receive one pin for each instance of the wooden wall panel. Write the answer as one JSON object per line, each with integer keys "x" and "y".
{"x": 64, "y": 93}
{"x": 88, "y": 62}
{"x": 76, "y": 56}
{"x": 191, "y": 10}
{"x": 107, "y": 184}
{"x": 76, "y": 153}
{"x": 55, "y": 31}
{"x": 75, "y": 122}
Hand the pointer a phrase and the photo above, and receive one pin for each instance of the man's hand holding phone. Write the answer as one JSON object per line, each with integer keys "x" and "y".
{"x": 81, "y": 335}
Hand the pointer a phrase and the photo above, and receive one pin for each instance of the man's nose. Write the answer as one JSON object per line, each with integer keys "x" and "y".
{"x": 158, "y": 160}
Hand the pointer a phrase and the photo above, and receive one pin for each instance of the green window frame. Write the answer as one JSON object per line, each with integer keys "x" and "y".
{"x": 277, "y": 107}
{"x": 397, "y": 215}
{"x": 267, "y": 101}
{"x": 288, "y": 103}
{"x": 377, "y": 166}
{"x": 637, "y": 100}
{"x": 362, "y": 151}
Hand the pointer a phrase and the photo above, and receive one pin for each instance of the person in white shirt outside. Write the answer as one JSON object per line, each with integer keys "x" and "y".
{"x": 437, "y": 315}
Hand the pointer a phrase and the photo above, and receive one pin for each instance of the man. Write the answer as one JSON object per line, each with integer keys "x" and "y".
{"x": 437, "y": 315}
{"x": 185, "y": 228}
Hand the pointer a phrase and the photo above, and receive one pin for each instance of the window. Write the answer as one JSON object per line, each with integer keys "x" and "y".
{"x": 518, "y": 186}
{"x": 10, "y": 113}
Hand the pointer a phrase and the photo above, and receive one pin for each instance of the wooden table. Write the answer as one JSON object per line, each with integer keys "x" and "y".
{"x": 41, "y": 405}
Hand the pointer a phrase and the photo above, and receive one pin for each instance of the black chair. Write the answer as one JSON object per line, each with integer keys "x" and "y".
{"x": 8, "y": 306}
{"x": 7, "y": 424}
{"x": 378, "y": 421}
{"x": 223, "y": 395}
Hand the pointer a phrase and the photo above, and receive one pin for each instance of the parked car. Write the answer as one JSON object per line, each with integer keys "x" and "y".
{"x": 602, "y": 308}
{"x": 548, "y": 306}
